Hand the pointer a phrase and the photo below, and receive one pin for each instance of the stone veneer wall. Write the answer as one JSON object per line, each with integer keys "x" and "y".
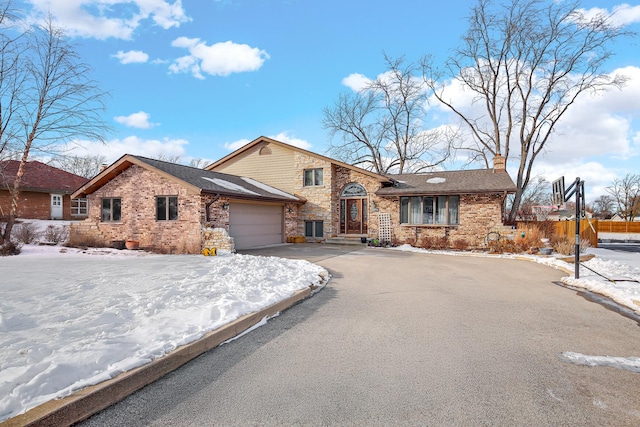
{"x": 478, "y": 215}
{"x": 138, "y": 187}
{"x": 343, "y": 176}
{"x": 291, "y": 221}
{"x": 318, "y": 205}
{"x": 218, "y": 239}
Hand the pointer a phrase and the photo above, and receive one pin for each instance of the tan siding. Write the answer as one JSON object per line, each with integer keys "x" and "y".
{"x": 275, "y": 169}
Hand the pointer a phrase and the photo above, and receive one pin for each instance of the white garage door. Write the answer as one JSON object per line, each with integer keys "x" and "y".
{"x": 255, "y": 225}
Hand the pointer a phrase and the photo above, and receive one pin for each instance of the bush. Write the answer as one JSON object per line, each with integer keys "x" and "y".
{"x": 56, "y": 234}
{"x": 503, "y": 246}
{"x": 460, "y": 244}
{"x": 566, "y": 246}
{"x": 9, "y": 248}
{"x": 25, "y": 233}
{"x": 531, "y": 240}
{"x": 429, "y": 242}
{"x": 83, "y": 241}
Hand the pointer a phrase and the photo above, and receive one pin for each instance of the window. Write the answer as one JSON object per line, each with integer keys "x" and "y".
{"x": 314, "y": 229}
{"x": 79, "y": 207}
{"x": 312, "y": 177}
{"x": 167, "y": 208}
{"x": 111, "y": 209}
{"x": 429, "y": 210}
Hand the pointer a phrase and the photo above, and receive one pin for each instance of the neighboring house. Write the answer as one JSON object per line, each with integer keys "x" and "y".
{"x": 349, "y": 202}
{"x": 169, "y": 207}
{"x": 44, "y": 192}
{"x": 618, "y": 217}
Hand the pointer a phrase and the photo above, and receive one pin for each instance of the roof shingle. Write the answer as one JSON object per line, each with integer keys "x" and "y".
{"x": 449, "y": 182}
{"x": 40, "y": 177}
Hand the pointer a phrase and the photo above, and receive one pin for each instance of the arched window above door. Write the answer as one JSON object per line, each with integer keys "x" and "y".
{"x": 353, "y": 190}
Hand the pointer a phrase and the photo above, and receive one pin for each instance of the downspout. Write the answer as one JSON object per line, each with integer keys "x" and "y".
{"x": 207, "y": 217}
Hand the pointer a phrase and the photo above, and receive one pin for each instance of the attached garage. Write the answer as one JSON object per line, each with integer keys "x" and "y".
{"x": 252, "y": 225}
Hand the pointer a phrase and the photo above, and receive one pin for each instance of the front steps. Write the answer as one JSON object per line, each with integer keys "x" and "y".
{"x": 345, "y": 240}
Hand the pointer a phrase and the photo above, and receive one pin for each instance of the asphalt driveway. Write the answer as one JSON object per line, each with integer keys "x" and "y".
{"x": 409, "y": 339}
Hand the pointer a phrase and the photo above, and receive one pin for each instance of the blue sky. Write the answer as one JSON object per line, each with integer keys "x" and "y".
{"x": 199, "y": 78}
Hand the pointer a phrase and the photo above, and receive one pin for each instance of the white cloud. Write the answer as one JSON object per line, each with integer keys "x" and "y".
{"x": 282, "y": 137}
{"x": 595, "y": 175}
{"x": 138, "y": 120}
{"x": 131, "y": 57}
{"x": 116, "y": 148}
{"x": 102, "y": 19}
{"x": 219, "y": 59}
{"x": 288, "y": 139}
{"x": 233, "y": 146}
{"x": 622, "y": 14}
{"x": 356, "y": 81}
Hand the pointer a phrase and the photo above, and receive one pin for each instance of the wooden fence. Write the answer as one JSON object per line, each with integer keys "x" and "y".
{"x": 618, "y": 227}
{"x": 568, "y": 228}
{"x": 587, "y": 231}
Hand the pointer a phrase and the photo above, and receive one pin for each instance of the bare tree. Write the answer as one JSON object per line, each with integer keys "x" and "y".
{"x": 199, "y": 163}
{"x": 525, "y": 63}
{"x": 626, "y": 193}
{"x": 603, "y": 206}
{"x": 47, "y": 99}
{"x": 169, "y": 158}
{"x": 537, "y": 193}
{"x": 381, "y": 127}
{"x": 87, "y": 166}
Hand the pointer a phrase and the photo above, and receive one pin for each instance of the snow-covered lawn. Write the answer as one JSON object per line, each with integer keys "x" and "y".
{"x": 71, "y": 318}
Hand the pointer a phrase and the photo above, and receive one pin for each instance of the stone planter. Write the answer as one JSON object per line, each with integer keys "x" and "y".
{"x": 545, "y": 251}
{"x": 132, "y": 244}
{"x": 118, "y": 244}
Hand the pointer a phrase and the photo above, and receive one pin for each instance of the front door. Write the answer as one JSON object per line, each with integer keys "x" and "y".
{"x": 354, "y": 216}
{"x": 56, "y": 206}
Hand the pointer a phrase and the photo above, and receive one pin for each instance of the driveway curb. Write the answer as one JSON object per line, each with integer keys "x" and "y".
{"x": 93, "y": 399}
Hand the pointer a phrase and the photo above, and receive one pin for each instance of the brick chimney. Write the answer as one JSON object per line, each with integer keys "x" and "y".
{"x": 499, "y": 164}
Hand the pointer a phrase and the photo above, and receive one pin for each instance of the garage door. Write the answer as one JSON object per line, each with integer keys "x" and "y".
{"x": 255, "y": 225}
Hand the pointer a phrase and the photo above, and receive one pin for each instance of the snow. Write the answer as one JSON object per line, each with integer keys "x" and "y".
{"x": 72, "y": 318}
{"x": 436, "y": 180}
{"x": 230, "y": 185}
{"x": 268, "y": 188}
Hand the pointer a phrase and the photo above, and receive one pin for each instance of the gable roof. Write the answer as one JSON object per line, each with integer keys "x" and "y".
{"x": 262, "y": 139}
{"x": 39, "y": 177}
{"x": 450, "y": 182}
{"x": 195, "y": 179}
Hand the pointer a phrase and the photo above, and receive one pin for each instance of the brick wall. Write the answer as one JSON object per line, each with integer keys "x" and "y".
{"x": 138, "y": 187}
{"x": 343, "y": 176}
{"x": 478, "y": 215}
{"x": 34, "y": 205}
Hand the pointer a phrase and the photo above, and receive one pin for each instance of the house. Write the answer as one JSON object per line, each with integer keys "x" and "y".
{"x": 169, "y": 207}
{"x": 45, "y": 192}
{"x": 268, "y": 192}
{"x": 349, "y": 202}
{"x": 617, "y": 217}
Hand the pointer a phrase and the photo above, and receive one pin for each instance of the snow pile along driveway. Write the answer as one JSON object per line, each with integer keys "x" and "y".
{"x": 73, "y": 319}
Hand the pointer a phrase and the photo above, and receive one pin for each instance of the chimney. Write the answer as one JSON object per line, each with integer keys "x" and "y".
{"x": 499, "y": 164}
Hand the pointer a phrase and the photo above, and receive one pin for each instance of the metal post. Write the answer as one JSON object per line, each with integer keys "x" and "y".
{"x": 577, "y": 250}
